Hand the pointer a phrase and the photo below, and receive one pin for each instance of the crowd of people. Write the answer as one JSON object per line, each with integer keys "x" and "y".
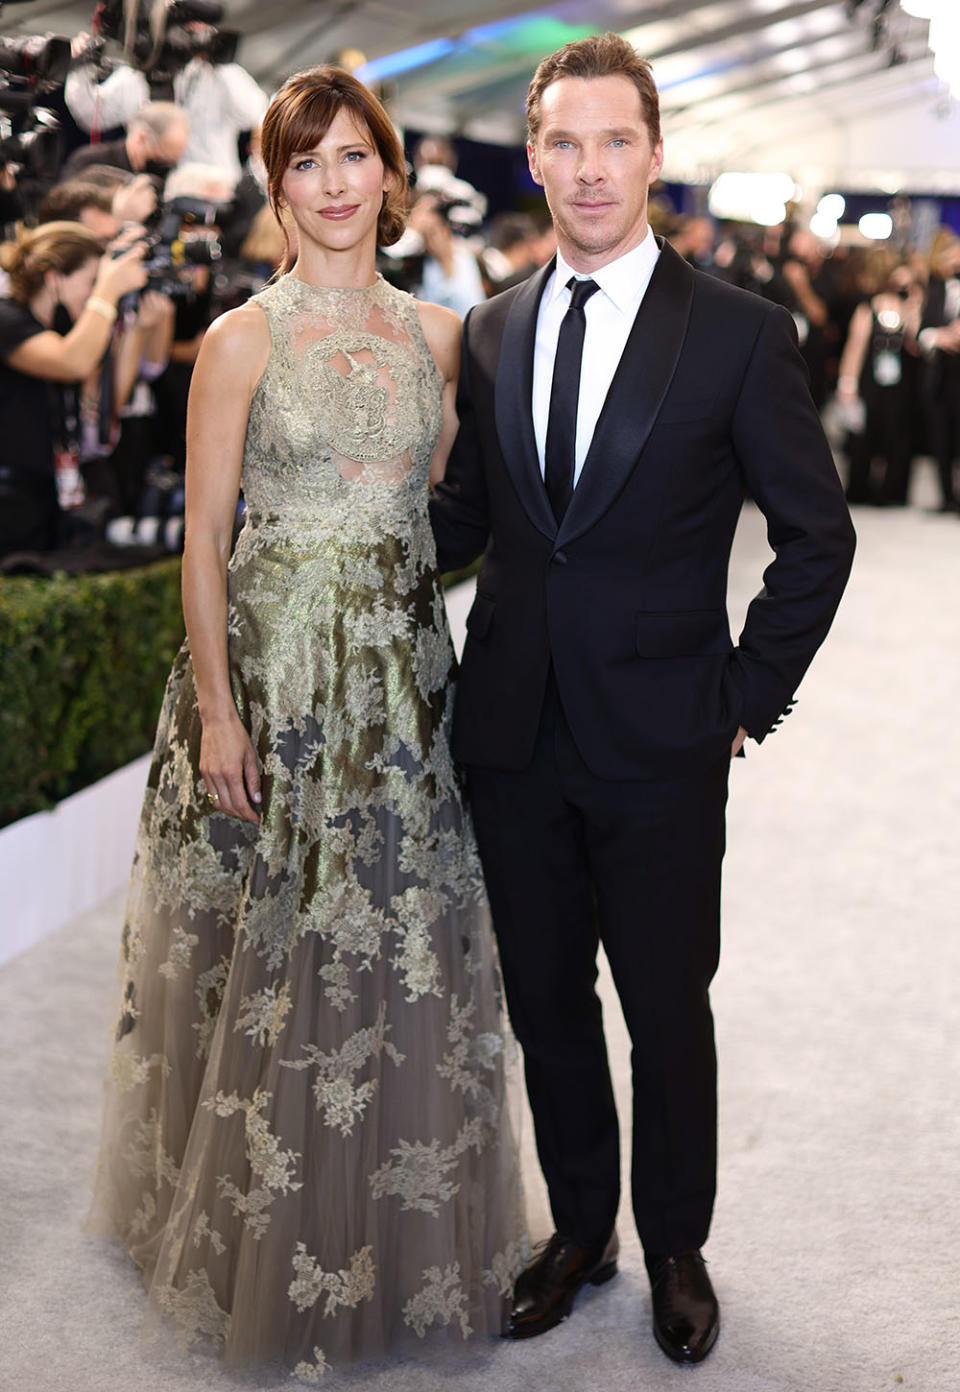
{"x": 115, "y": 274}
{"x": 878, "y": 328}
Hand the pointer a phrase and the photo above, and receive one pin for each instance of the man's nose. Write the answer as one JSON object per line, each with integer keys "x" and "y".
{"x": 589, "y": 167}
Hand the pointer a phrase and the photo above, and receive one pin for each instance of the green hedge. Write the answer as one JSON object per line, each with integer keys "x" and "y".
{"x": 83, "y": 662}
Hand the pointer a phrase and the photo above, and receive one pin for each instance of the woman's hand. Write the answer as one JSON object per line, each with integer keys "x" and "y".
{"x": 228, "y": 766}
{"x": 117, "y": 277}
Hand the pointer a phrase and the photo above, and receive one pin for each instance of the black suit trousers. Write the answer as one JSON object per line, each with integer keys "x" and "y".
{"x": 572, "y": 860}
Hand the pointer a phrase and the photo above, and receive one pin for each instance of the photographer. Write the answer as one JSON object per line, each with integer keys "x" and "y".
{"x": 102, "y": 208}
{"x": 221, "y": 100}
{"x": 156, "y": 138}
{"x": 451, "y": 275}
{"x": 55, "y": 327}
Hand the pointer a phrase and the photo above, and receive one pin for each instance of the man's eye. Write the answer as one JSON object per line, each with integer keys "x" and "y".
{"x": 619, "y": 142}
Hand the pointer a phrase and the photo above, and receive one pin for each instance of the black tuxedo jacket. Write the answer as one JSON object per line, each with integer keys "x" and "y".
{"x": 627, "y": 598}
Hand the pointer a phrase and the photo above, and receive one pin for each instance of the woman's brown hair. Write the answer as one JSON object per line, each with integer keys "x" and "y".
{"x": 298, "y": 118}
{"x": 53, "y": 246}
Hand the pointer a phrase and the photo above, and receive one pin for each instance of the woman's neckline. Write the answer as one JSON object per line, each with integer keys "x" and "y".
{"x": 336, "y": 289}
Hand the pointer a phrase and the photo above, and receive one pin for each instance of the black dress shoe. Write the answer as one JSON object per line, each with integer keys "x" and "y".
{"x": 545, "y": 1291}
{"x": 686, "y": 1316}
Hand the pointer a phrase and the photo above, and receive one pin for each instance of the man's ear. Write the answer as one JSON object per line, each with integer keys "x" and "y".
{"x": 533, "y": 163}
{"x": 656, "y": 164}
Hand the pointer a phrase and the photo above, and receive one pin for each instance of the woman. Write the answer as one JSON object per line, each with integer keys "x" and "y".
{"x": 305, "y": 1148}
{"x": 940, "y": 342}
{"x": 55, "y": 327}
{"x": 878, "y": 368}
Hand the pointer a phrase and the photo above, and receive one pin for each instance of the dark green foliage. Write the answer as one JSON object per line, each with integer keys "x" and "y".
{"x": 83, "y": 662}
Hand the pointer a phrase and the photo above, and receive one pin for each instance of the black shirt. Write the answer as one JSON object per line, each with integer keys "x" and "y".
{"x": 112, "y": 152}
{"x": 28, "y": 407}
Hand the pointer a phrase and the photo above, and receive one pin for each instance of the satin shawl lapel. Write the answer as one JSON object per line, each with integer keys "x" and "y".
{"x": 513, "y": 401}
{"x": 636, "y": 393}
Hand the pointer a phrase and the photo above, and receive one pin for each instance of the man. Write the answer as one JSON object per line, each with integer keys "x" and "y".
{"x": 600, "y": 697}
{"x": 155, "y": 141}
{"x": 103, "y": 209}
{"x": 508, "y": 258}
{"x": 221, "y": 100}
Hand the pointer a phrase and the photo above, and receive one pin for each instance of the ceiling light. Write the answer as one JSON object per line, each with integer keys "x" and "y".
{"x": 877, "y": 227}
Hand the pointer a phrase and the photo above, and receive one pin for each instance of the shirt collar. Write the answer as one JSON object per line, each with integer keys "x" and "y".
{"x": 623, "y": 281}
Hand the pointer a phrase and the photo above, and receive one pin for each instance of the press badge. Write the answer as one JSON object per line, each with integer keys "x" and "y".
{"x": 887, "y": 369}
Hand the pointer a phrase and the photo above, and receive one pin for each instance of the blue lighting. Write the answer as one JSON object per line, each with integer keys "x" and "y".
{"x": 393, "y": 63}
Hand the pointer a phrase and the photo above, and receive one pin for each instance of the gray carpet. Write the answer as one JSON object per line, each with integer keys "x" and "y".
{"x": 836, "y": 1245}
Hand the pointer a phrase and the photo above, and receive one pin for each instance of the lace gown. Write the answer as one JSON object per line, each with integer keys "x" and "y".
{"x": 304, "y": 1144}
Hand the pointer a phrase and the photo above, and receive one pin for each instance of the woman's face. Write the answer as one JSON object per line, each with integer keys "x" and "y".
{"x": 948, "y": 259}
{"x": 72, "y": 290}
{"x": 335, "y": 191}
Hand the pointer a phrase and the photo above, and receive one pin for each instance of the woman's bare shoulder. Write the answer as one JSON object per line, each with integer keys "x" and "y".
{"x": 240, "y": 339}
{"x": 442, "y": 329}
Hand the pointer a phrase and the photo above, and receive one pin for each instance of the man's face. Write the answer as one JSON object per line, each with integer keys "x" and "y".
{"x": 594, "y": 159}
{"x": 104, "y": 226}
{"x": 146, "y": 151}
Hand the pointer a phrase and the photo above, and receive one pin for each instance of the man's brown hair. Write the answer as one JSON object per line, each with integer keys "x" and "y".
{"x": 598, "y": 55}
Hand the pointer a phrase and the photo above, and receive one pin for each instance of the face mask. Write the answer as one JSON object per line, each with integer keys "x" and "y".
{"x": 159, "y": 168}
{"x": 62, "y": 321}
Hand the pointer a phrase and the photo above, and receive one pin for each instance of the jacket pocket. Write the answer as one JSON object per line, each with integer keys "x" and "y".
{"x": 682, "y": 633}
{"x": 481, "y": 616}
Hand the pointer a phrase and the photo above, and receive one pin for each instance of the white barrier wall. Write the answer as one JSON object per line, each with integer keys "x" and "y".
{"x": 56, "y": 865}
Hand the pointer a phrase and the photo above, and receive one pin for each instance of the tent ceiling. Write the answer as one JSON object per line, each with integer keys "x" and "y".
{"x": 834, "y": 91}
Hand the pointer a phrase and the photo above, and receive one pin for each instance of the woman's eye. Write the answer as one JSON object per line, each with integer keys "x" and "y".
{"x": 304, "y": 164}
{"x": 356, "y": 155}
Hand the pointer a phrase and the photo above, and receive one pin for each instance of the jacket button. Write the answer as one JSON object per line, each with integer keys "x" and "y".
{"x": 559, "y": 558}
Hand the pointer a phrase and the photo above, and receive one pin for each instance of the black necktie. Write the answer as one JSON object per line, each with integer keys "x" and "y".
{"x": 561, "y": 446}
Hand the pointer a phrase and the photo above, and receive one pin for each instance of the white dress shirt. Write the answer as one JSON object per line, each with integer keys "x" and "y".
{"x": 221, "y": 100}
{"x": 610, "y": 313}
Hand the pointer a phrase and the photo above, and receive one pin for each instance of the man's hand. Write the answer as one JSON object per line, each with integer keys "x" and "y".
{"x": 134, "y": 202}
{"x": 738, "y": 740}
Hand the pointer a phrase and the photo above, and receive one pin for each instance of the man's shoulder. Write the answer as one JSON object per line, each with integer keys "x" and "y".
{"x": 111, "y": 152}
{"x": 722, "y": 297}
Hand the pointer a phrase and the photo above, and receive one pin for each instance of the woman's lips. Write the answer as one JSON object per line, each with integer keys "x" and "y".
{"x": 338, "y": 214}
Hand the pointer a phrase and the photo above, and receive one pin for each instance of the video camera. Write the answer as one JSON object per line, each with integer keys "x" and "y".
{"x": 29, "y": 134}
{"x": 173, "y": 249}
{"x": 161, "y": 46}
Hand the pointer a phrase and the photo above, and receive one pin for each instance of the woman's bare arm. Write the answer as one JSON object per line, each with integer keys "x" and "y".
{"x": 231, "y": 362}
{"x": 442, "y": 329}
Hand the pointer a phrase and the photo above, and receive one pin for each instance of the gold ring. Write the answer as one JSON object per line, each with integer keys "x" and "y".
{"x": 214, "y": 797}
